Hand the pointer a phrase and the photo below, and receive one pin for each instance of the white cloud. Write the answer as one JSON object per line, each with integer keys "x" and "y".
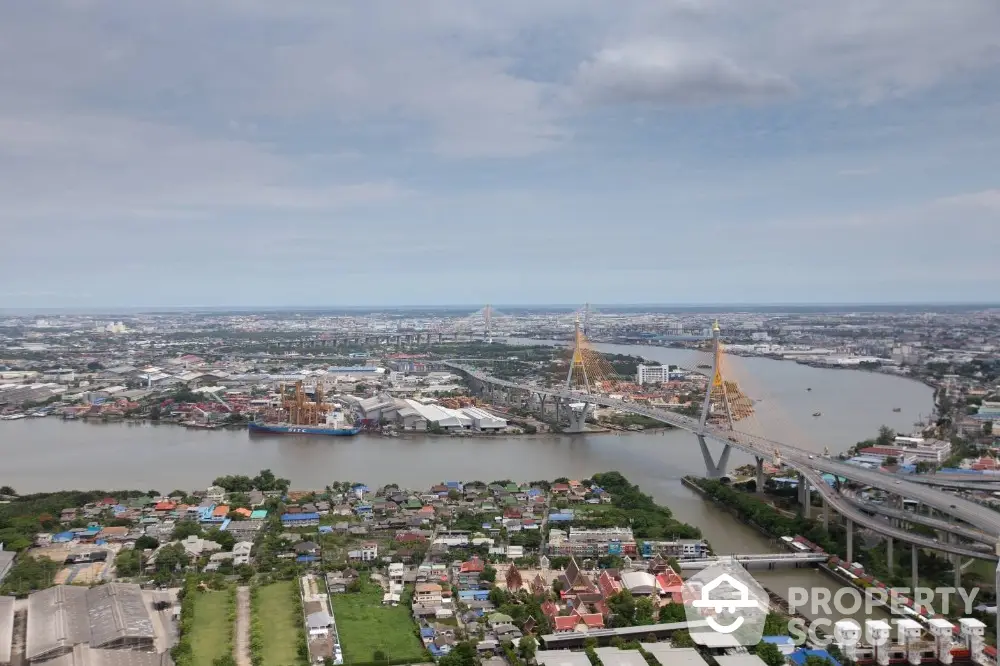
{"x": 665, "y": 74}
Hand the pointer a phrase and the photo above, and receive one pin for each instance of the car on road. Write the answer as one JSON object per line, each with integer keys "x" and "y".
{"x": 812, "y": 457}
{"x": 953, "y": 506}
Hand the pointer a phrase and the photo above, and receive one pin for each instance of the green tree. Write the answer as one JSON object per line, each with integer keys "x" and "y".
{"x": 171, "y": 557}
{"x": 128, "y": 562}
{"x": 144, "y": 542}
{"x": 645, "y": 611}
{"x": 682, "y": 639}
{"x": 886, "y": 436}
{"x": 770, "y": 654}
{"x": 528, "y": 646}
{"x": 489, "y": 574}
{"x": 622, "y": 607}
{"x": 224, "y": 539}
{"x": 672, "y": 612}
{"x": 775, "y": 624}
{"x": 7, "y": 490}
{"x": 184, "y": 529}
{"x": 815, "y": 660}
{"x": 462, "y": 654}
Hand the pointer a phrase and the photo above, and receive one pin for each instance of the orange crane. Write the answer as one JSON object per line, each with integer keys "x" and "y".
{"x": 302, "y": 411}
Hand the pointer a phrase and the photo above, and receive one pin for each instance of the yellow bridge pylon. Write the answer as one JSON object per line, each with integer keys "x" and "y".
{"x": 725, "y": 403}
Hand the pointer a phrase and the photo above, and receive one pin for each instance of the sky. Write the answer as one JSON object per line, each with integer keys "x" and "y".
{"x": 378, "y": 152}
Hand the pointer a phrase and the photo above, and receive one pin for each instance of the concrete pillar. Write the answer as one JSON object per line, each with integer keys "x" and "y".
{"x": 760, "y": 475}
{"x": 850, "y": 541}
{"x": 890, "y": 561}
{"x": 578, "y": 419}
{"x": 957, "y": 560}
{"x": 914, "y": 565}
{"x": 806, "y": 498}
{"x": 714, "y": 470}
{"x": 826, "y": 515}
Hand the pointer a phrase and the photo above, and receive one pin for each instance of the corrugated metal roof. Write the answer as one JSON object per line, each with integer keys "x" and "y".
{"x": 63, "y": 616}
{"x": 6, "y": 628}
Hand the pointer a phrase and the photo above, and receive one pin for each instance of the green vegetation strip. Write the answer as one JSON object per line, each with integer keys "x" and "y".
{"x": 207, "y": 625}
{"x": 366, "y": 626}
{"x": 277, "y": 622}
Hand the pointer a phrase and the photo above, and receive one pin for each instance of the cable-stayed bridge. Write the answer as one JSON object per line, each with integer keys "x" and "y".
{"x": 965, "y": 528}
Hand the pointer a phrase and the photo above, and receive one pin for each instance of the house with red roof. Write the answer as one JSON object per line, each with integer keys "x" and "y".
{"x": 608, "y": 584}
{"x": 475, "y": 565}
{"x": 670, "y": 586}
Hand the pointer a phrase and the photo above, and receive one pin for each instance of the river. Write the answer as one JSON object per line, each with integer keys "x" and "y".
{"x": 51, "y": 454}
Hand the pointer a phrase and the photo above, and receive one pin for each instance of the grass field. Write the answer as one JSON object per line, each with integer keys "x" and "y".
{"x": 279, "y": 623}
{"x": 365, "y": 625}
{"x": 211, "y": 631}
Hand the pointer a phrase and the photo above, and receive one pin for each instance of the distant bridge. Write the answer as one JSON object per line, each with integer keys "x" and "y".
{"x": 576, "y": 404}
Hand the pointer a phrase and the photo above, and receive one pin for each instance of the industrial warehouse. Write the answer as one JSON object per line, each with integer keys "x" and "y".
{"x": 70, "y": 626}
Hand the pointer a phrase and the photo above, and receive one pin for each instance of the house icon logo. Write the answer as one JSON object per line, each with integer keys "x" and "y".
{"x": 725, "y": 606}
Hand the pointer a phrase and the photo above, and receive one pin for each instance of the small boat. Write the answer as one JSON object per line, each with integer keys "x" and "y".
{"x": 809, "y": 388}
{"x": 14, "y": 417}
{"x": 704, "y": 366}
{"x": 897, "y": 409}
{"x": 817, "y": 413}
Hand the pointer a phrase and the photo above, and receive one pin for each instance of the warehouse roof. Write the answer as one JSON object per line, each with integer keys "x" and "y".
{"x": 6, "y": 628}
{"x": 117, "y": 611}
{"x": 63, "y": 616}
{"x": 84, "y": 655}
{"x": 57, "y": 618}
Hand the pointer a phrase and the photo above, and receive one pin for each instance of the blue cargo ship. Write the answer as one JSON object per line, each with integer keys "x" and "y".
{"x": 290, "y": 429}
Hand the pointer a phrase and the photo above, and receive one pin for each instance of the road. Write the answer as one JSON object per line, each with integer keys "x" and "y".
{"x": 914, "y": 517}
{"x": 241, "y": 648}
{"x": 798, "y": 459}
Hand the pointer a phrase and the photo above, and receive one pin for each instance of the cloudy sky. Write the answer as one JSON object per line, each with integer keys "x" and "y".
{"x": 254, "y": 152}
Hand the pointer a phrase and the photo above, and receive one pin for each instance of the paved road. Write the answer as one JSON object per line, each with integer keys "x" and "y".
{"x": 914, "y": 517}
{"x": 241, "y": 648}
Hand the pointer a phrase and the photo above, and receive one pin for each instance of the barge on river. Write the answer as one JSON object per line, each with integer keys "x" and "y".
{"x": 301, "y": 416}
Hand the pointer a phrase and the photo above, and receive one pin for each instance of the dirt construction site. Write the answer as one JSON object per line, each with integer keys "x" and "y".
{"x": 86, "y": 573}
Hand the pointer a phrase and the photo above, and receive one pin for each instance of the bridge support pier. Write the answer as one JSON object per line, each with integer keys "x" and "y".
{"x": 914, "y": 564}
{"x": 850, "y": 541}
{"x": 714, "y": 470}
{"x": 760, "y": 476}
{"x": 890, "y": 561}
{"x": 578, "y": 418}
{"x": 826, "y": 515}
{"x": 804, "y": 496}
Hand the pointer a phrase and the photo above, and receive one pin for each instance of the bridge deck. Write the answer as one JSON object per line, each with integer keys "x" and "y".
{"x": 803, "y": 461}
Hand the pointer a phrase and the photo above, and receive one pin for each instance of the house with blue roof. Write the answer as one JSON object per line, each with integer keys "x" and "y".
{"x": 466, "y": 596}
{"x": 300, "y": 519}
{"x": 799, "y": 656}
{"x": 783, "y": 643}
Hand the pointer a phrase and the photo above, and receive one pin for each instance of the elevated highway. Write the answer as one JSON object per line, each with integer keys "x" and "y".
{"x": 803, "y": 461}
{"x": 969, "y": 533}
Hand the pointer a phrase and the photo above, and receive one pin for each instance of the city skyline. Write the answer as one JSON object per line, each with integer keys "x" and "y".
{"x": 691, "y": 152}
